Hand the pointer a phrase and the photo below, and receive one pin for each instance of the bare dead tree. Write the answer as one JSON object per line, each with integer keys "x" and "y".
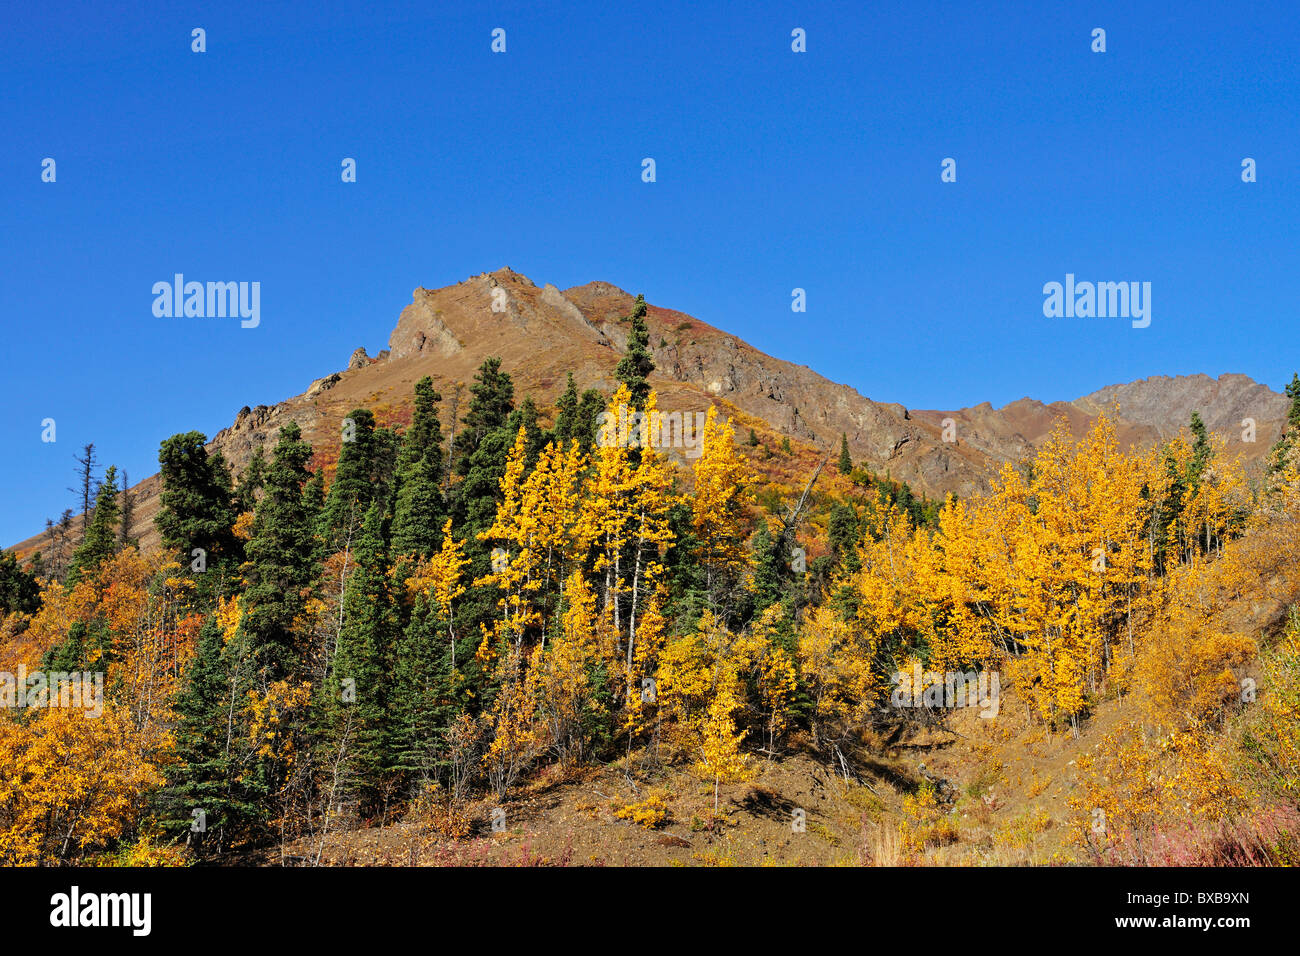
{"x": 791, "y": 522}
{"x": 85, "y": 480}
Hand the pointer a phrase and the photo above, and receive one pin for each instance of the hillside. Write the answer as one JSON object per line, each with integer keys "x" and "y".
{"x": 549, "y": 647}
{"x": 542, "y": 333}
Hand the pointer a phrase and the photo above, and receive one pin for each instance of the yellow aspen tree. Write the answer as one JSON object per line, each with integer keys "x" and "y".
{"x": 777, "y": 677}
{"x": 515, "y": 527}
{"x": 607, "y": 519}
{"x": 649, "y": 532}
{"x": 510, "y": 722}
{"x": 439, "y": 577}
{"x": 721, "y": 757}
{"x": 640, "y": 695}
{"x": 719, "y": 506}
{"x": 838, "y": 664}
{"x": 70, "y": 784}
{"x": 552, "y": 506}
{"x": 560, "y": 675}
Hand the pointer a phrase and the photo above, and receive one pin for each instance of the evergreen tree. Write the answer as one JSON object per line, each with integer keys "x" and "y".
{"x": 846, "y": 461}
{"x": 85, "y": 482}
{"x": 358, "y": 685}
{"x": 525, "y": 417}
{"x": 908, "y": 504}
{"x": 843, "y": 531}
{"x": 419, "y": 506}
{"x": 196, "y": 509}
{"x": 566, "y": 414}
{"x": 418, "y": 511}
{"x": 1280, "y": 455}
{"x": 313, "y": 495}
{"x": 423, "y": 702}
{"x": 281, "y": 552}
{"x": 100, "y": 542}
{"x": 19, "y": 590}
{"x": 1202, "y": 453}
{"x": 1292, "y": 392}
{"x": 355, "y": 480}
{"x": 425, "y": 432}
{"x": 251, "y": 481}
{"x": 769, "y": 578}
{"x": 483, "y": 449}
{"x": 124, "y": 538}
{"x": 587, "y": 419}
{"x": 205, "y": 777}
{"x": 637, "y": 363}
{"x": 480, "y": 492}
{"x": 87, "y": 647}
{"x": 687, "y": 579}
{"x": 493, "y": 397}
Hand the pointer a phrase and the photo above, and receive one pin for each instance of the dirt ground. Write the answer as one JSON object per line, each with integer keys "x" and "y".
{"x": 1002, "y": 787}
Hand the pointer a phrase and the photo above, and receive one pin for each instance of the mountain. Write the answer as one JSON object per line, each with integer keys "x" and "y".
{"x": 542, "y": 333}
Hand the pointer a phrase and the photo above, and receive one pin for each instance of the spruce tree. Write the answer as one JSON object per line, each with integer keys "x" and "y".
{"x": 482, "y": 448}
{"x": 586, "y": 420}
{"x": 767, "y": 586}
{"x": 100, "y": 542}
{"x": 85, "y": 482}
{"x": 419, "y": 506}
{"x": 196, "y": 508}
{"x": 419, "y": 509}
{"x": 493, "y": 397}
{"x": 19, "y": 590}
{"x": 281, "y": 551}
{"x": 842, "y": 532}
{"x": 1280, "y": 455}
{"x": 124, "y": 538}
{"x": 251, "y": 481}
{"x": 423, "y": 704}
{"x": 87, "y": 647}
{"x": 525, "y": 417}
{"x": 480, "y": 492}
{"x": 206, "y": 777}
{"x": 637, "y": 363}
{"x": 566, "y": 414}
{"x": 846, "y": 460}
{"x": 313, "y": 495}
{"x": 359, "y": 696}
{"x": 425, "y": 432}
{"x": 1202, "y": 452}
{"x": 355, "y": 484}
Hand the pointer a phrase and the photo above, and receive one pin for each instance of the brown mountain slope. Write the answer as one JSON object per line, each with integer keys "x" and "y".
{"x": 542, "y": 333}
{"x": 1146, "y": 411}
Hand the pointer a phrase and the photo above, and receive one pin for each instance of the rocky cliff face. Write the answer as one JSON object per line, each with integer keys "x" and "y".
{"x": 542, "y": 333}
{"x": 1166, "y": 404}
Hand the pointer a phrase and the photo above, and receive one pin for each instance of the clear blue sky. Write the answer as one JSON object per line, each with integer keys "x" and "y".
{"x": 775, "y": 170}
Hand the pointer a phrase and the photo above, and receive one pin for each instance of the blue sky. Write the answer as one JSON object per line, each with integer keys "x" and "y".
{"x": 775, "y": 170}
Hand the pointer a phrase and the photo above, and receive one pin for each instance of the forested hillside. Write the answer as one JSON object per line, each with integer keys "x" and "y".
{"x": 438, "y": 619}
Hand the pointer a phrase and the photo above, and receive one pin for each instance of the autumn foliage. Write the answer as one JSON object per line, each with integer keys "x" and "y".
{"x": 596, "y": 601}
